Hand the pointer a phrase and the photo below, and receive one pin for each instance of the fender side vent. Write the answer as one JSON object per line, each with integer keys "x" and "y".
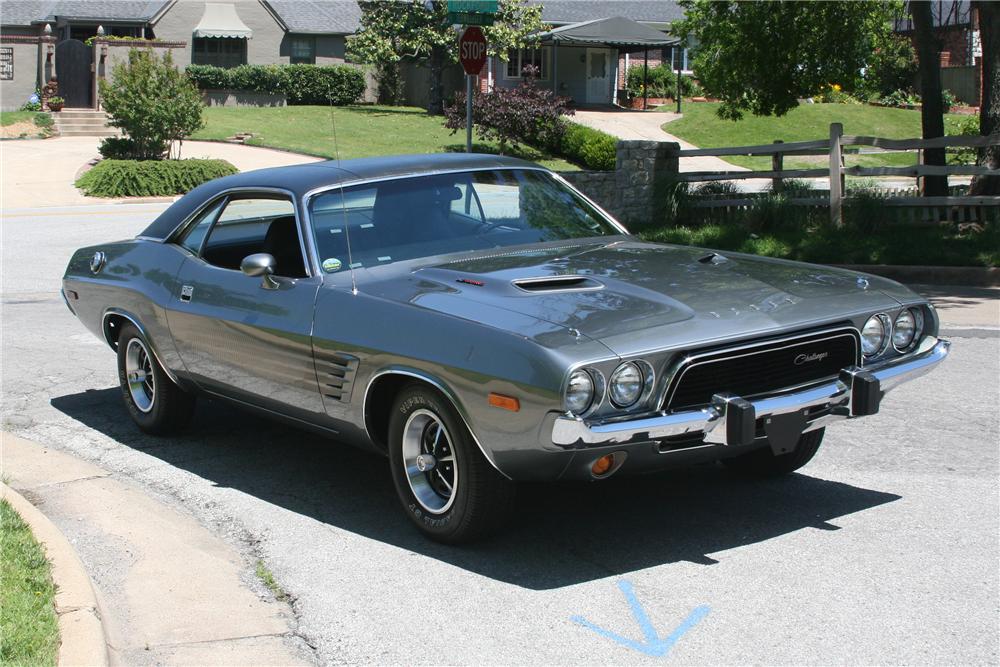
{"x": 338, "y": 377}
{"x": 558, "y": 284}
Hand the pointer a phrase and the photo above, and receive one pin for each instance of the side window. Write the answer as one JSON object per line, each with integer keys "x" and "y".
{"x": 195, "y": 234}
{"x": 250, "y": 225}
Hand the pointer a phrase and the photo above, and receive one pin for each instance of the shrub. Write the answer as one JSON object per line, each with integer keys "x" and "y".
{"x": 150, "y": 178}
{"x": 152, "y": 102}
{"x": 589, "y": 147}
{"x": 117, "y": 148}
{"x": 901, "y": 98}
{"x": 336, "y": 84}
{"x": 206, "y": 77}
{"x": 948, "y": 99}
{"x": 893, "y": 66}
{"x": 662, "y": 82}
{"x": 967, "y": 126}
{"x": 301, "y": 84}
{"x": 34, "y": 102}
{"x": 527, "y": 114}
{"x": 44, "y": 121}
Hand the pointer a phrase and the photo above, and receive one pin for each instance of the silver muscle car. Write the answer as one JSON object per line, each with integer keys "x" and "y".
{"x": 479, "y": 322}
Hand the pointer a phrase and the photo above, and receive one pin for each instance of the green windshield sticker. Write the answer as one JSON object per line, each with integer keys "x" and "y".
{"x": 332, "y": 264}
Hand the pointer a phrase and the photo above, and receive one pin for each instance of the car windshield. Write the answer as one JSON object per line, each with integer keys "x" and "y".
{"x": 409, "y": 218}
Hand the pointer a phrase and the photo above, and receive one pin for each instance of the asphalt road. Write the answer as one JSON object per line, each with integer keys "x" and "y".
{"x": 883, "y": 551}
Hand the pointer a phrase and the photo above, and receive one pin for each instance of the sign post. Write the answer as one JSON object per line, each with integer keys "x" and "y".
{"x": 472, "y": 53}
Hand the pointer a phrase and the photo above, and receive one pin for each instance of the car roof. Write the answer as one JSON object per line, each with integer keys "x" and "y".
{"x": 303, "y": 178}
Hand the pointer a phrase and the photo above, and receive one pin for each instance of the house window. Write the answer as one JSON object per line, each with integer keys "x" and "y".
{"x": 219, "y": 51}
{"x": 518, "y": 59}
{"x": 303, "y": 50}
{"x": 679, "y": 55}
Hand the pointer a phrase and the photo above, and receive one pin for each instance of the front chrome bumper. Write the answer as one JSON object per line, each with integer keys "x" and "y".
{"x": 732, "y": 420}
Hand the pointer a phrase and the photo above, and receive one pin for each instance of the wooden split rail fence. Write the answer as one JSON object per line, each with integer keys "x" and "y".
{"x": 836, "y": 172}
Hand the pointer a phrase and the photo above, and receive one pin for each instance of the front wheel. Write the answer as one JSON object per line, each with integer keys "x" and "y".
{"x": 447, "y": 487}
{"x": 764, "y": 463}
{"x": 154, "y": 402}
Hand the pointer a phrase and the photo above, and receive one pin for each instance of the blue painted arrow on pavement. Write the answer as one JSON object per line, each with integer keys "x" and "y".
{"x": 653, "y": 644}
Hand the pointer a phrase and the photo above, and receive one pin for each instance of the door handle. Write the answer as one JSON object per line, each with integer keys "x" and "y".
{"x": 187, "y": 291}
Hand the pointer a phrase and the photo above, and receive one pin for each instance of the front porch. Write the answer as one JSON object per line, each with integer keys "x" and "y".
{"x": 580, "y": 60}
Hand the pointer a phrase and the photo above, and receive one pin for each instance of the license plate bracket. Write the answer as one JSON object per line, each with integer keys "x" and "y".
{"x": 783, "y": 431}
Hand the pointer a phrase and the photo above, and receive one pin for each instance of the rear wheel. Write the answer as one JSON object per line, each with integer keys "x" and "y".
{"x": 154, "y": 402}
{"x": 447, "y": 487}
{"x": 764, "y": 463}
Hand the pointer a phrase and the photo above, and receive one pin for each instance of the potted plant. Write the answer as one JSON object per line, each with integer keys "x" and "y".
{"x": 56, "y": 103}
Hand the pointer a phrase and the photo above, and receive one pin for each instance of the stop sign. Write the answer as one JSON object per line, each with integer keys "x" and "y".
{"x": 472, "y": 50}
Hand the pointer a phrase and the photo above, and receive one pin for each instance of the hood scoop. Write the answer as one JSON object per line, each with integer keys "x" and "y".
{"x": 713, "y": 258}
{"x": 557, "y": 284}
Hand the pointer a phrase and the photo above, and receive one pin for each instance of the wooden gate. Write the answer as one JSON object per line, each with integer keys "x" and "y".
{"x": 73, "y": 70}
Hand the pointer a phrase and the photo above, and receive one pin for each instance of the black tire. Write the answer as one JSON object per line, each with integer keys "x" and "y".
{"x": 764, "y": 463}
{"x": 482, "y": 498}
{"x": 170, "y": 407}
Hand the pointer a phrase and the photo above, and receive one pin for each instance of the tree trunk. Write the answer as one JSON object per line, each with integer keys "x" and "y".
{"x": 435, "y": 104}
{"x": 989, "y": 105}
{"x": 932, "y": 108}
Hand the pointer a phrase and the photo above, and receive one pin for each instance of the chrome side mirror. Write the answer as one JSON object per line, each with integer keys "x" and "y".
{"x": 260, "y": 264}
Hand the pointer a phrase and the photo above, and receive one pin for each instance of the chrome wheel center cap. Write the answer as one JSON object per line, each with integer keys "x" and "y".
{"x": 426, "y": 462}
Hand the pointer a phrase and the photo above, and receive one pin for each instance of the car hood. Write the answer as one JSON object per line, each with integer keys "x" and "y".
{"x": 634, "y": 296}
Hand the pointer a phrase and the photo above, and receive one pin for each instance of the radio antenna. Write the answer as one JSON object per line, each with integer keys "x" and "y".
{"x": 343, "y": 202}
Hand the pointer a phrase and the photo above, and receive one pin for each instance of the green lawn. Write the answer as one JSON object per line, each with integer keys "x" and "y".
{"x": 29, "y": 630}
{"x": 362, "y": 131}
{"x": 702, "y": 127}
{"x": 11, "y": 117}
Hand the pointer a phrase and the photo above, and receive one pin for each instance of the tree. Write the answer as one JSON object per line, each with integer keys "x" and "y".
{"x": 153, "y": 102}
{"x": 932, "y": 106}
{"x": 392, "y": 32}
{"x": 761, "y": 57}
{"x": 989, "y": 105}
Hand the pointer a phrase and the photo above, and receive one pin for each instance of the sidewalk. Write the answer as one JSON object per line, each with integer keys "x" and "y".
{"x": 42, "y": 172}
{"x": 964, "y": 308}
{"x": 171, "y": 592}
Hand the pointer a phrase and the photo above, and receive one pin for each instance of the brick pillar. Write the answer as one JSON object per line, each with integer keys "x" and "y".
{"x": 643, "y": 171}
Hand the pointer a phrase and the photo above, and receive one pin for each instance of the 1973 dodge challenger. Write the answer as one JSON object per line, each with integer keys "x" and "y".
{"x": 480, "y": 322}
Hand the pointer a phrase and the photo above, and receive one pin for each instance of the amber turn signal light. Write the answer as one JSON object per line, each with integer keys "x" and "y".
{"x": 505, "y": 402}
{"x": 602, "y": 465}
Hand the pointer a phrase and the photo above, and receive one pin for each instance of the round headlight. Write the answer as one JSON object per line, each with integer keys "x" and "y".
{"x": 906, "y": 328}
{"x": 626, "y": 385}
{"x": 873, "y": 336}
{"x": 579, "y": 392}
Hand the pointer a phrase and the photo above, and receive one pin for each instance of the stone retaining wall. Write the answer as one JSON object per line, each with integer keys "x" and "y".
{"x": 634, "y": 192}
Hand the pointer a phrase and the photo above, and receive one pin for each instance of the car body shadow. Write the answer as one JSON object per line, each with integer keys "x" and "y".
{"x": 562, "y": 533}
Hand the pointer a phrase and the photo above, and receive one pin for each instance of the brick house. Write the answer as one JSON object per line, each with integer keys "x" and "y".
{"x": 956, "y": 27}
{"x": 42, "y": 39}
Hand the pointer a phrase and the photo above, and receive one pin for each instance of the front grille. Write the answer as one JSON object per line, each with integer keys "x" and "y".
{"x": 762, "y": 368}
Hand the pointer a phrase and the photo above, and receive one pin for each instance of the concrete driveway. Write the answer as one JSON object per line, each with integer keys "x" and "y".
{"x": 645, "y": 125}
{"x": 37, "y": 173}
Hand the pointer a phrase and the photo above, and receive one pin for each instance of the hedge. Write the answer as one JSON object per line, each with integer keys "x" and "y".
{"x": 150, "y": 178}
{"x": 591, "y": 148}
{"x": 301, "y": 84}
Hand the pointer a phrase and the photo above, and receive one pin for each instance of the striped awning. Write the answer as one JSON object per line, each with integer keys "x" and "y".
{"x": 221, "y": 20}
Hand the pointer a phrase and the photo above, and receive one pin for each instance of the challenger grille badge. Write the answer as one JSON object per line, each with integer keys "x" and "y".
{"x": 812, "y": 356}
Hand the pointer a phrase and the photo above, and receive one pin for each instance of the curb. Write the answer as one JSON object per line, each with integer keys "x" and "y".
{"x": 81, "y": 632}
{"x": 968, "y": 276}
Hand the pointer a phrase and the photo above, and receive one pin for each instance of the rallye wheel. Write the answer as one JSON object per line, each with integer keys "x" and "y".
{"x": 447, "y": 487}
{"x": 154, "y": 402}
{"x": 764, "y": 463}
